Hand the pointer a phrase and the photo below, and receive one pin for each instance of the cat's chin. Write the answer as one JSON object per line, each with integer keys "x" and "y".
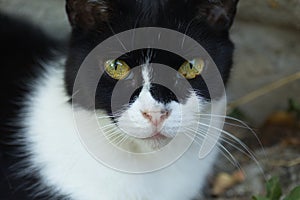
{"x": 157, "y": 136}
{"x": 155, "y": 142}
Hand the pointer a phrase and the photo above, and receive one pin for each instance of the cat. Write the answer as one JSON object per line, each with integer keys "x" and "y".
{"x": 40, "y": 112}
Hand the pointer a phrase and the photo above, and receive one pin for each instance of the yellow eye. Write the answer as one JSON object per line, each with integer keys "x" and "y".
{"x": 191, "y": 69}
{"x": 117, "y": 69}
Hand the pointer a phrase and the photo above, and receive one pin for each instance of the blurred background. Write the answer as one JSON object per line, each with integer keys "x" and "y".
{"x": 264, "y": 89}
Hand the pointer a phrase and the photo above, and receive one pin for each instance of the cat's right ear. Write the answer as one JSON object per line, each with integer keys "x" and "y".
{"x": 219, "y": 14}
{"x": 88, "y": 14}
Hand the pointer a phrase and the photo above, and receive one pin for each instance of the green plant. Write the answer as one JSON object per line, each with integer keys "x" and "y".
{"x": 294, "y": 107}
{"x": 274, "y": 191}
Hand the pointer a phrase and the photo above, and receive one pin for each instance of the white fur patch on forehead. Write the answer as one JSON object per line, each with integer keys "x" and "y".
{"x": 146, "y": 74}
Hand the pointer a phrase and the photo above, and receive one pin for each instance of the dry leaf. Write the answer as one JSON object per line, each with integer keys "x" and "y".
{"x": 224, "y": 181}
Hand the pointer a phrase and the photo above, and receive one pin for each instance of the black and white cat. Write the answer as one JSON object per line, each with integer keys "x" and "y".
{"x": 49, "y": 160}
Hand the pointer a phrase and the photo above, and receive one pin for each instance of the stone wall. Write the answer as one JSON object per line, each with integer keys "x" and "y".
{"x": 267, "y": 38}
{"x": 48, "y": 14}
{"x": 281, "y": 13}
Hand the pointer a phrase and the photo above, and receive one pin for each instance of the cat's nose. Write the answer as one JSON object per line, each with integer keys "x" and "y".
{"x": 156, "y": 117}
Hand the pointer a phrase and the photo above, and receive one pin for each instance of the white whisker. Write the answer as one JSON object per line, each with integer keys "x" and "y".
{"x": 125, "y": 137}
{"x": 116, "y": 139}
{"x": 186, "y": 30}
{"x": 231, "y": 158}
{"x": 105, "y": 117}
{"x": 227, "y": 123}
{"x": 230, "y": 142}
{"x": 103, "y": 128}
{"x": 116, "y": 36}
{"x": 253, "y": 157}
{"x": 239, "y": 121}
{"x": 233, "y": 161}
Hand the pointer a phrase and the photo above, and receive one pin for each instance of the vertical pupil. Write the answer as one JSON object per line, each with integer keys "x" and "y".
{"x": 191, "y": 65}
{"x": 115, "y": 65}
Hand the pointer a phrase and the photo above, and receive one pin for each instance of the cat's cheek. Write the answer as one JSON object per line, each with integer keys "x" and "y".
{"x": 172, "y": 126}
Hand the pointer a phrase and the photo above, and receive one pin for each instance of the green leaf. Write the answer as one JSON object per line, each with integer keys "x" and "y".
{"x": 294, "y": 194}
{"x": 294, "y": 107}
{"x": 260, "y": 198}
{"x": 237, "y": 113}
{"x": 274, "y": 191}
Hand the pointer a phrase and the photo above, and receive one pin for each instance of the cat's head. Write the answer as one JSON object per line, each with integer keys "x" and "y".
{"x": 154, "y": 113}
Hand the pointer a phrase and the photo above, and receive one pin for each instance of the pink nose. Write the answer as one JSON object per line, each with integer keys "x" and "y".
{"x": 157, "y": 117}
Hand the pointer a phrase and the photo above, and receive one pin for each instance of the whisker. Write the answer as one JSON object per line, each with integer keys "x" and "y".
{"x": 108, "y": 125}
{"x": 253, "y": 157}
{"x": 203, "y": 135}
{"x": 227, "y": 117}
{"x": 115, "y": 35}
{"x": 230, "y": 142}
{"x": 125, "y": 137}
{"x": 105, "y": 117}
{"x": 241, "y": 122}
{"x": 107, "y": 128}
{"x": 230, "y": 136}
{"x": 227, "y": 123}
{"x": 186, "y": 30}
{"x": 120, "y": 136}
{"x": 108, "y": 136}
{"x": 111, "y": 135}
{"x": 110, "y": 130}
{"x": 75, "y": 93}
{"x": 231, "y": 158}
{"x": 116, "y": 114}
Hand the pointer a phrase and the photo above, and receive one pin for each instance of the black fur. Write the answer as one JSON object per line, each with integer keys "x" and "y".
{"x": 23, "y": 47}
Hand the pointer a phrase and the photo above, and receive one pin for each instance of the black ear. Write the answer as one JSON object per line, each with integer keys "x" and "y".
{"x": 219, "y": 14}
{"x": 88, "y": 14}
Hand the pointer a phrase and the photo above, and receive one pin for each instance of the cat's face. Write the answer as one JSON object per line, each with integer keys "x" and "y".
{"x": 154, "y": 113}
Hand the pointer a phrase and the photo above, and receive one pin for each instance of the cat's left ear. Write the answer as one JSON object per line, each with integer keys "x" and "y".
{"x": 88, "y": 14}
{"x": 219, "y": 14}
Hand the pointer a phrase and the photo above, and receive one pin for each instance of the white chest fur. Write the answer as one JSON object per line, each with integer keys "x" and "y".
{"x": 65, "y": 164}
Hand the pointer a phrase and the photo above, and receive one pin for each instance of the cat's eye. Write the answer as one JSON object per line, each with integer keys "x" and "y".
{"x": 117, "y": 69}
{"x": 191, "y": 69}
